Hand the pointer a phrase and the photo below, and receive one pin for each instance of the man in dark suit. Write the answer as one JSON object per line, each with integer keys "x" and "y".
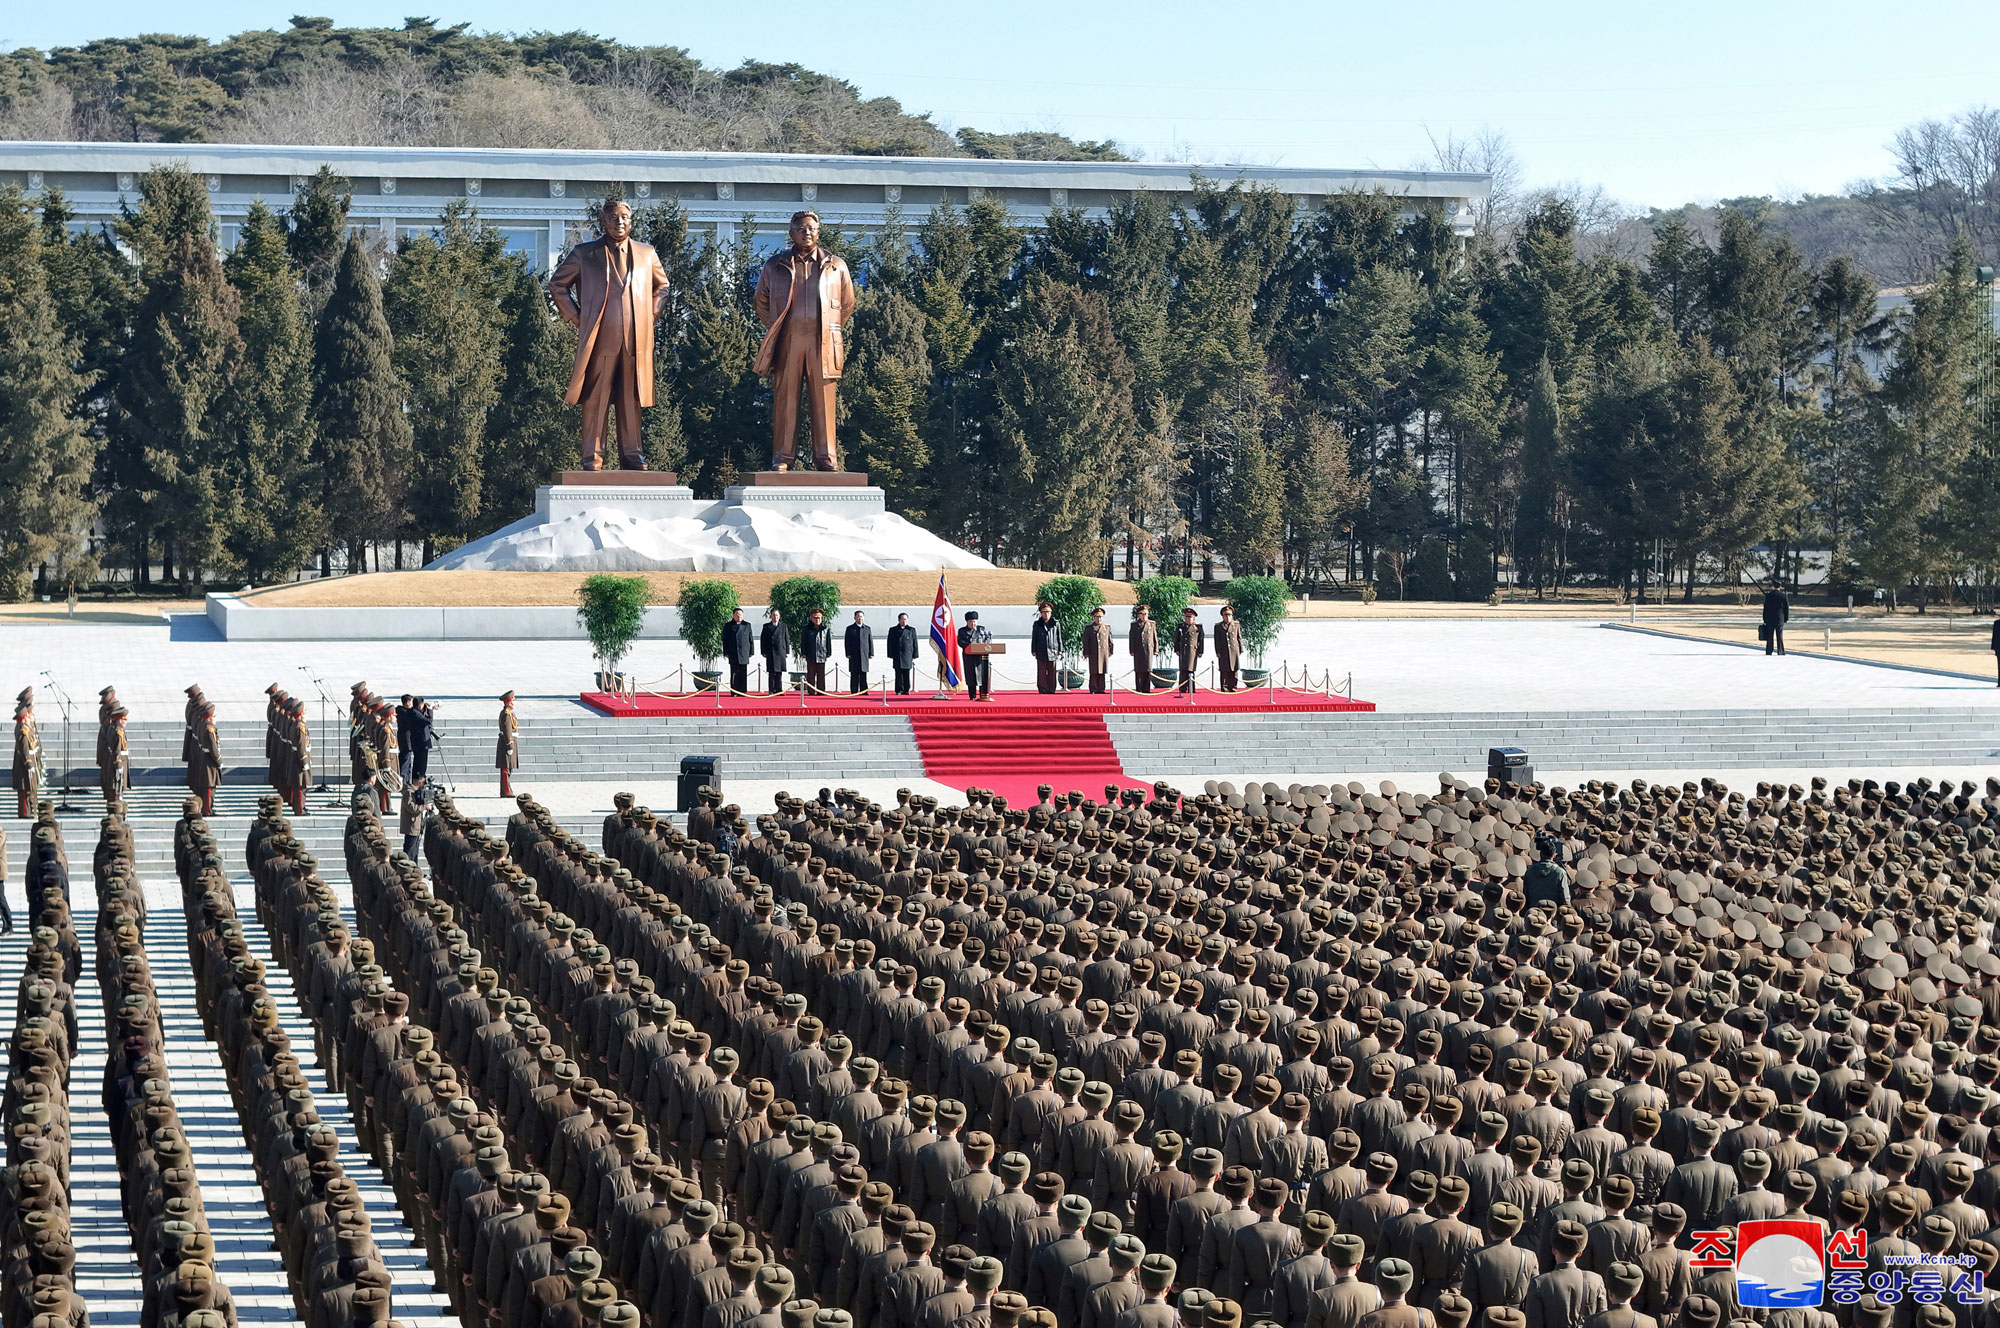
{"x": 860, "y": 649}
{"x": 1777, "y": 612}
{"x": 903, "y": 653}
{"x": 1045, "y": 644}
{"x": 736, "y": 649}
{"x": 978, "y": 668}
{"x": 774, "y": 643}
{"x": 816, "y": 646}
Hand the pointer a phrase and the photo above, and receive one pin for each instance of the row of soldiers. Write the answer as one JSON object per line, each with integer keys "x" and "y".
{"x": 320, "y": 1223}
{"x": 287, "y": 747}
{"x": 38, "y": 1262}
{"x": 160, "y": 1194}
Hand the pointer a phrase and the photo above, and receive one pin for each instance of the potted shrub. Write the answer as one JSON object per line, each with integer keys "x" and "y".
{"x": 1165, "y": 597}
{"x": 795, "y": 598}
{"x": 612, "y": 610}
{"x": 705, "y": 608}
{"x": 1072, "y": 597}
{"x": 1261, "y": 603}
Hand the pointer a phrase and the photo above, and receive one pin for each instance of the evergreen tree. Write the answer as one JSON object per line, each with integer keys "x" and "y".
{"x": 725, "y": 410}
{"x": 280, "y": 522}
{"x": 882, "y": 399}
{"x": 442, "y": 301}
{"x": 94, "y": 290}
{"x": 1250, "y": 524}
{"x": 1847, "y": 326}
{"x": 46, "y": 452}
{"x": 364, "y": 438}
{"x": 1063, "y": 393}
{"x": 531, "y": 433}
{"x": 177, "y": 454}
{"x": 1540, "y": 524}
{"x": 1677, "y": 274}
{"x": 1933, "y": 402}
{"x": 316, "y": 234}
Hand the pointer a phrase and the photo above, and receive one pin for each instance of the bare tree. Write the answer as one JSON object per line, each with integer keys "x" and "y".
{"x": 1951, "y": 171}
{"x": 1487, "y": 151}
{"x": 45, "y": 115}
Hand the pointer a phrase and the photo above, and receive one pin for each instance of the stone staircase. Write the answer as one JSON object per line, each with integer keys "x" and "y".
{"x": 1236, "y": 745}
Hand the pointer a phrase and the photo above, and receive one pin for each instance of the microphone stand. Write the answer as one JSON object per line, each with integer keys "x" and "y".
{"x": 63, "y": 700}
{"x": 325, "y": 724}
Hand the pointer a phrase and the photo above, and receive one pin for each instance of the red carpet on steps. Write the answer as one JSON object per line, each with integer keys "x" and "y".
{"x": 1011, "y": 744}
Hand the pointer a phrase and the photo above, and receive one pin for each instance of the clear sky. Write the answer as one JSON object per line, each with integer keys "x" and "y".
{"x": 1659, "y": 103}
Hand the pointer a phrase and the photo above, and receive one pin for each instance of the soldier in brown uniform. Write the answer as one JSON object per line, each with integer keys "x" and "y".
{"x": 1097, "y": 651}
{"x": 114, "y": 763}
{"x": 1142, "y": 641}
{"x": 1392, "y": 1279}
{"x": 1188, "y": 645}
{"x": 1228, "y": 648}
{"x": 27, "y": 753}
{"x": 204, "y": 770}
{"x": 507, "y": 752}
{"x": 298, "y": 754}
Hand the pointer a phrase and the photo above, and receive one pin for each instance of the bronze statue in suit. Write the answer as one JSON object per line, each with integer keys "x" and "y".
{"x": 611, "y": 290}
{"x": 805, "y": 297}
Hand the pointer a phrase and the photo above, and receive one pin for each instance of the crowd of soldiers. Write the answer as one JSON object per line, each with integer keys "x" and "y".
{"x": 320, "y": 1224}
{"x": 287, "y": 747}
{"x": 160, "y": 1193}
{"x": 1304, "y": 1056}
{"x": 38, "y": 1264}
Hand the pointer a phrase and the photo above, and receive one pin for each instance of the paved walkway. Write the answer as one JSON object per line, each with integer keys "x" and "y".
{"x": 1400, "y": 664}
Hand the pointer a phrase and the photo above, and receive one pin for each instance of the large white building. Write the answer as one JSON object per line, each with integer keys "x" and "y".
{"x": 537, "y": 198}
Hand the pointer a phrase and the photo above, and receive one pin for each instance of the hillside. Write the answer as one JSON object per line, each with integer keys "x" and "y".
{"x": 425, "y": 85}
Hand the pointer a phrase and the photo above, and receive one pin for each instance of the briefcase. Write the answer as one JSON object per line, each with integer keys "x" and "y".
{"x": 1763, "y": 631}
{"x": 986, "y": 648}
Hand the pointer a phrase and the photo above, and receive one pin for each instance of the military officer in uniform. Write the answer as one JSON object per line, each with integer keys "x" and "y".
{"x": 1188, "y": 647}
{"x": 1143, "y": 641}
{"x": 27, "y": 754}
{"x": 114, "y": 761}
{"x": 1228, "y": 648}
{"x": 507, "y": 751}
{"x": 204, "y": 771}
{"x": 1097, "y": 651}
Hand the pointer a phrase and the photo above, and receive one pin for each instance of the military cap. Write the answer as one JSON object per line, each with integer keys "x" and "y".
{"x": 1504, "y": 1219}
{"x": 1221, "y": 1313}
{"x": 1156, "y": 1272}
{"x": 1701, "y": 1311}
{"x": 1346, "y": 1250}
{"x": 1394, "y": 1277}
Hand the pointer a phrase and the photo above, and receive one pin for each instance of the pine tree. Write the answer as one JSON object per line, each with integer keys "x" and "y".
{"x": 1063, "y": 394}
{"x": 1932, "y": 406}
{"x": 364, "y": 438}
{"x": 317, "y": 232}
{"x": 882, "y": 399}
{"x": 531, "y": 434}
{"x": 1540, "y": 523}
{"x": 280, "y": 522}
{"x": 725, "y": 410}
{"x": 1321, "y": 494}
{"x": 46, "y": 453}
{"x": 177, "y": 433}
{"x": 1250, "y": 526}
{"x": 443, "y": 306}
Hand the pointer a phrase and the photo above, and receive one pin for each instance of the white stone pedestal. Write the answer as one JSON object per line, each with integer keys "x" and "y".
{"x": 556, "y": 502}
{"x": 845, "y": 500}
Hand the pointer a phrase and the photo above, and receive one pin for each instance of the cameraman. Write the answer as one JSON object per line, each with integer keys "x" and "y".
{"x": 418, "y": 795}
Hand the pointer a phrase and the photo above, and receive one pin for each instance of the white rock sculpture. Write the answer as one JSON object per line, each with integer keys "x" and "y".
{"x": 794, "y": 536}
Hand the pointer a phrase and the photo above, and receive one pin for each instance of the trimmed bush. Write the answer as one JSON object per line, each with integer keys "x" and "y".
{"x": 1261, "y": 603}
{"x": 1165, "y": 597}
{"x": 612, "y": 610}
{"x": 796, "y": 597}
{"x": 705, "y": 609}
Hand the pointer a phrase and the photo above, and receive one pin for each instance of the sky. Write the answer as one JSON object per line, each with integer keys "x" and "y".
{"x": 1659, "y": 104}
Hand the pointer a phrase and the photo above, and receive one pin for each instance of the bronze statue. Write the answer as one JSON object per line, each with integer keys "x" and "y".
{"x": 611, "y": 290}
{"x": 803, "y": 339}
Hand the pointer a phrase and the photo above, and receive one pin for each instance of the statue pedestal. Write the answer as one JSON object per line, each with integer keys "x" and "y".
{"x": 809, "y": 479}
{"x": 649, "y": 494}
{"x": 850, "y": 496}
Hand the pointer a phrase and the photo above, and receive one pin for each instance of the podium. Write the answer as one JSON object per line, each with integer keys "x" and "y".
{"x": 980, "y": 648}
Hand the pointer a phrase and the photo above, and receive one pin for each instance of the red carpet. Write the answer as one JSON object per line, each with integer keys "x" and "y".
{"x": 675, "y": 705}
{"x": 1011, "y": 744}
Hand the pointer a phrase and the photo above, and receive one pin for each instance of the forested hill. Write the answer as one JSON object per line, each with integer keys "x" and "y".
{"x": 426, "y": 85}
